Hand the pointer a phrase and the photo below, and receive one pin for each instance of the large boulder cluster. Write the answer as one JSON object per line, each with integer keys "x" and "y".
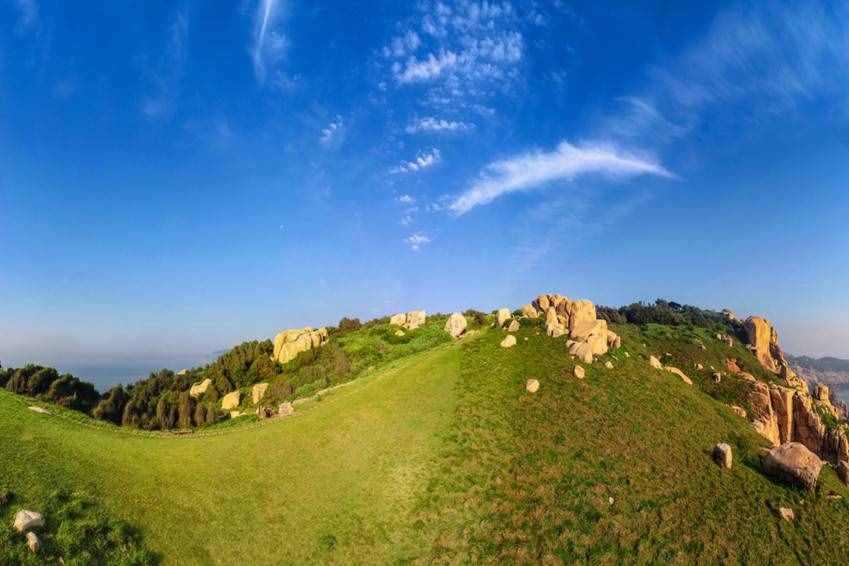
{"x": 588, "y": 335}
{"x": 409, "y": 320}
{"x": 289, "y": 343}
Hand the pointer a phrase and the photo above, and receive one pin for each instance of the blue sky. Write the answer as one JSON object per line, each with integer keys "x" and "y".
{"x": 176, "y": 177}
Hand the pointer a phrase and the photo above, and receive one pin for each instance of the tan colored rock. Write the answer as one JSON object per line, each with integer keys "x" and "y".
{"x": 793, "y": 463}
{"x": 231, "y": 400}
{"x": 580, "y": 372}
{"x": 39, "y": 410}
{"x": 763, "y": 417}
{"x": 399, "y": 319}
{"x": 613, "y": 340}
{"x": 286, "y": 409}
{"x": 502, "y": 317}
{"x": 33, "y": 542}
{"x": 739, "y": 411}
{"x": 722, "y": 455}
{"x": 679, "y": 373}
{"x": 608, "y": 364}
{"x": 514, "y": 326}
{"x": 532, "y": 386}
{"x": 456, "y": 325}
{"x": 508, "y": 341}
{"x": 786, "y": 513}
{"x": 764, "y": 339}
{"x": 258, "y": 392}
{"x": 183, "y": 371}
{"x": 198, "y": 389}
{"x": 732, "y": 367}
{"x": 289, "y": 343}
{"x": 781, "y": 399}
{"x": 416, "y": 319}
{"x": 700, "y": 367}
{"x": 583, "y": 351}
{"x": 808, "y": 427}
{"x": 655, "y": 363}
{"x": 399, "y": 333}
{"x": 28, "y": 520}
{"x": 554, "y": 324}
{"x": 543, "y": 303}
{"x": 236, "y": 414}
{"x": 581, "y": 312}
{"x": 528, "y": 311}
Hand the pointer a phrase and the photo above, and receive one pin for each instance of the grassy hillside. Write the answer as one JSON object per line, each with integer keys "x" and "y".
{"x": 443, "y": 456}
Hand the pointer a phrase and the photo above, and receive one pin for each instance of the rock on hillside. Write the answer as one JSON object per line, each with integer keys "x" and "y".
{"x": 588, "y": 335}
{"x": 289, "y": 343}
{"x": 409, "y": 320}
{"x": 789, "y": 413}
{"x": 456, "y": 325}
{"x": 793, "y": 463}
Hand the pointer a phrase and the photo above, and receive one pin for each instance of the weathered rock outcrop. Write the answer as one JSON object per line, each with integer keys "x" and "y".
{"x": 793, "y": 463}
{"x": 289, "y": 343}
{"x": 764, "y": 341}
{"x": 199, "y": 388}
{"x": 258, "y": 392}
{"x": 409, "y": 320}
{"x": 456, "y": 325}
{"x": 231, "y": 400}
{"x": 588, "y": 335}
{"x": 502, "y": 316}
{"x": 528, "y": 311}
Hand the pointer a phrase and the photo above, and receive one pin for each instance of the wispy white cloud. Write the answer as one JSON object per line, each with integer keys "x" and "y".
{"x": 767, "y": 57}
{"x": 566, "y": 163}
{"x": 269, "y": 42}
{"x": 416, "y": 241}
{"x": 423, "y": 160}
{"x": 332, "y": 134}
{"x": 28, "y": 16}
{"x": 436, "y": 125}
{"x": 406, "y": 199}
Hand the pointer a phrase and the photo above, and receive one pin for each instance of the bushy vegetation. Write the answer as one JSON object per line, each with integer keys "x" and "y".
{"x": 669, "y": 313}
{"x": 76, "y": 532}
{"x": 45, "y": 383}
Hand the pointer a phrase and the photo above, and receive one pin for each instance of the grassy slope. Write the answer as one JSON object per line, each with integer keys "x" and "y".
{"x": 340, "y": 475}
{"x": 530, "y": 478}
{"x": 444, "y": 457}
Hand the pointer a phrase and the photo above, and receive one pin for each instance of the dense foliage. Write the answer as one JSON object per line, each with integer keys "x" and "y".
{"x": 669, "y": 313}
{"x": 47, "y": 384}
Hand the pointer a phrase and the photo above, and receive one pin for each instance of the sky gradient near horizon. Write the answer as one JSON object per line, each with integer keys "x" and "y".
{"x": 177, "y": 177}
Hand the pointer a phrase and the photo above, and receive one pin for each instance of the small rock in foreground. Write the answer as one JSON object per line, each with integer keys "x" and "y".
{"x": 722, "y": 455}
{"x": 786, "y": 513}
{"x": 580, "y": 372}
{"x": 33, "y": 543}
{"x": 792, "y": 462}
{"x": 532, "y": 386}
{"x": 28, "y": 520}
{"x": 508, "y": 342}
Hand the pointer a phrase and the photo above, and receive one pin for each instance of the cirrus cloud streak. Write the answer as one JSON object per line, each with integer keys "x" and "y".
{"x": 566, "y": 163}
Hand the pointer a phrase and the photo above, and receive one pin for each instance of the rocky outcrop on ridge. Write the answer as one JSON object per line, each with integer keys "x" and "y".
{"x": 409, "y": 320}
{"x": 289, "y": 343}
{"x": 789, "y": 413}
{"x": 456, "y": 325}
{"x": 588, "y": 335}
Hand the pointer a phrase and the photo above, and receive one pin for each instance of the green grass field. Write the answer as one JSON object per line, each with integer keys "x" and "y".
{"x": 442, "y": 456}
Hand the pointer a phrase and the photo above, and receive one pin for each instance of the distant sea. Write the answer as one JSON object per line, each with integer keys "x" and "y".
{"x": 106, "y": 375}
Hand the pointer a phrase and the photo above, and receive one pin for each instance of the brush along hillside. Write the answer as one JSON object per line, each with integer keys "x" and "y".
{"x": 466, "y": 438}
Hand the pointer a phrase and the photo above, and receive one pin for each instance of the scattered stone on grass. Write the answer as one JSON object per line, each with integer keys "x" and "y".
{"x": 608, "y": 364}
{"x": 33, "y": 543}
{"x": 28, "y": 520}
{"x": 508, "y": 342}
{"x": 792, "y": 462}
{"x": 580, "y": 372}
{"x": 722, "y": 455}
{"x": 532, "y": 386}
{"x": 286, "y": 409}
{"x": 40, "y": 410}
{"x": 786, "y": 513}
